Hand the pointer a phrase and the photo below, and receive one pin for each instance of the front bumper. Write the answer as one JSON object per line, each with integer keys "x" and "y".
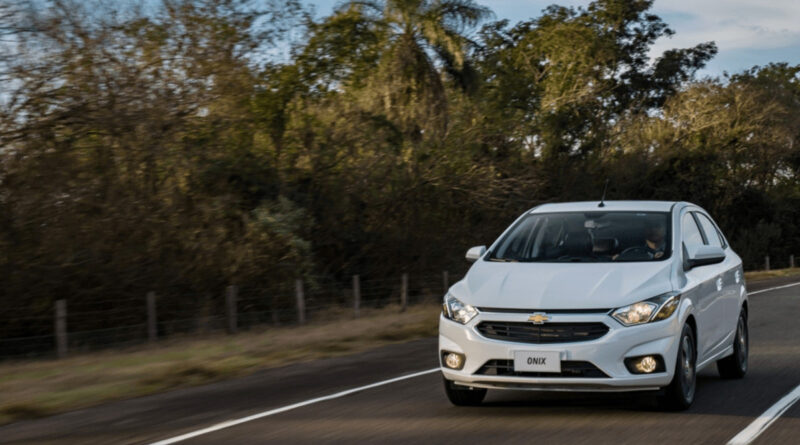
{"x": 606, "y": 353}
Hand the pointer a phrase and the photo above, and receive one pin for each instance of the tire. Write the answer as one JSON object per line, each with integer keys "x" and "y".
{"x": 465, "y": 396}
{"x": 680, "y": 393}
{"x": 735, "y": 366}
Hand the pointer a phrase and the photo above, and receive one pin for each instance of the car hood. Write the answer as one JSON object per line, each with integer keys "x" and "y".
{"x": 562, "y": 285}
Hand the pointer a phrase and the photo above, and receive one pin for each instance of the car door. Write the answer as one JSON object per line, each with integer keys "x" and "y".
{"x": 701, "y": 287}
{"x": 726, "y": 277}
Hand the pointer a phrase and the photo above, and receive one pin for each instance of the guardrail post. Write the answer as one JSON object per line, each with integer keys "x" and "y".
{"x": 766, "y": 262}
{"x": 230, "y": 302}
{"x": 404, "y": 293}
{"x": 445, "y": 281}
{"x": 301, "y": 301}
{"x": 152, "y": 331}
{"x": 791, "y": 261}
{"x": 356, "y": 295}
{"x": 61, "y": 328}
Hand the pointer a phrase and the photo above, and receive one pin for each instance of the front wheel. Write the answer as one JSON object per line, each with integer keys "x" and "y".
{"x": 735, "y": 366}
{"x": 462, "y": 395}
{"x": 679, "y": 395}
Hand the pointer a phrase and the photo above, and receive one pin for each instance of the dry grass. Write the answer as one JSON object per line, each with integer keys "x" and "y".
{"x": 38, "y": 388}
{"x": 760, "y": 275}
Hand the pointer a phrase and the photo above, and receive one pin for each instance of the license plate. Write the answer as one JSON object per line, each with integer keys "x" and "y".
{"x": 532, "y": 361}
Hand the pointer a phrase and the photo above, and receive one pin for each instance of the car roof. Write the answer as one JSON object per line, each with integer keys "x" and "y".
{"x": 610, "y": 206}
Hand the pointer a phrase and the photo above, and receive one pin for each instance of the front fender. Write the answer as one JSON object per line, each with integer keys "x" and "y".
{"x": 742, "y": 295}
{"x": 685, "y": 310}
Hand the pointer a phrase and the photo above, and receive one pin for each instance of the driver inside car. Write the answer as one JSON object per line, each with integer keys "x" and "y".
{"x": 655, "y": 242}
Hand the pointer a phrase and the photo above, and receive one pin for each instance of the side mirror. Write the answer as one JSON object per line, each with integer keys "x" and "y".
{"x": 703, "y": 255}
{"x": 475, "y": 253}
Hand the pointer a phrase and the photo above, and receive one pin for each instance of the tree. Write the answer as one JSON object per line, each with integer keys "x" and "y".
{"x": 398, "y": 39}
{"x": 728, "y": 146}
{"x": 130, "y": 161}
{"x": 570, "y": 74}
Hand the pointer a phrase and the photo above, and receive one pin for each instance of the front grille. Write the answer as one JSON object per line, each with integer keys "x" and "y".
{"x": 526, "y": 332}
{"x": 568, "y": 369}
{"x": 504, "y": 310}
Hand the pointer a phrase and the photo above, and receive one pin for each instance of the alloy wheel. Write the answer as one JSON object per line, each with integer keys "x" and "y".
{"x": 742, "y": 339}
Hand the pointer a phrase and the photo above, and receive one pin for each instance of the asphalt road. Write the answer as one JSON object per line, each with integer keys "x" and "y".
{"x": 416, "y": 410}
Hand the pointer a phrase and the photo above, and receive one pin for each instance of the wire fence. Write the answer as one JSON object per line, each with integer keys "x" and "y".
{"x": 68, "y": 327}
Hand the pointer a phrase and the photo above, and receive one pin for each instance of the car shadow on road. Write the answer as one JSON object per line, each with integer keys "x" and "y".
{"x": 715, "y": 396}
{"x": 569, "y": 400}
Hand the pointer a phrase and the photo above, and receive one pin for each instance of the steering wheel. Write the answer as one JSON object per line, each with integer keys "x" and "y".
{"x": 636, "y": 249}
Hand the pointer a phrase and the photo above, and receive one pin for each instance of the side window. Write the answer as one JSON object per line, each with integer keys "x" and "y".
{"x": 689, "y": 231}
{"x": 722, "y": 239}
{"x": 712, "y": 235}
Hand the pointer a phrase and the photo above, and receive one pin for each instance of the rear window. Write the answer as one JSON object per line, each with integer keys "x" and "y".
{"x": 586, "y": 237}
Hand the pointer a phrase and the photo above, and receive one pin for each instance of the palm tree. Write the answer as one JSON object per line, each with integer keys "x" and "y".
{"x": 418, "y": 40}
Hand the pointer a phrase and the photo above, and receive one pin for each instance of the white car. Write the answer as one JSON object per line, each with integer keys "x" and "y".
{"x": 588, "y": 296}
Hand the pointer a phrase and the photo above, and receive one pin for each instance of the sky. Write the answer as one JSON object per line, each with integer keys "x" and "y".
{"x": 747, "y": 32}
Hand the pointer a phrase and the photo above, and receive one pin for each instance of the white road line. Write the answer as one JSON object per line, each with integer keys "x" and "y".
{"x": 758, "y": 426}
{"x": 283, "y": 409}
{"x": 763, "y": 422}
{"x": 774, "y": 288}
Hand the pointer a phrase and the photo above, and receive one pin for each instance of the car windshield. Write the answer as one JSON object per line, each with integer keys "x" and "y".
{"x": 586, "y": 237}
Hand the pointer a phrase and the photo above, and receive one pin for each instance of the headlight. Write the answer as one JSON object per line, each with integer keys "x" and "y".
{"x": 654, "y": 309}
{"x": 636, "y": 313}
{"x": 458, "y": 311}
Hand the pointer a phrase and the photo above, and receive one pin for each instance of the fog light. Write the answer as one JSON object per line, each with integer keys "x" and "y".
{"x": 646, "y": 365}
{"x": 453, "y": 360}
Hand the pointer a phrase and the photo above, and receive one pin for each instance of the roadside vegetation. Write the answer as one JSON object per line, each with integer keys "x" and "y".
{"x": 43, "y": 387}
{"x": 761, "y": 275}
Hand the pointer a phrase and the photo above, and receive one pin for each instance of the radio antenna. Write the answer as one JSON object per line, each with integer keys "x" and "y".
{"x": 602, "y": 203}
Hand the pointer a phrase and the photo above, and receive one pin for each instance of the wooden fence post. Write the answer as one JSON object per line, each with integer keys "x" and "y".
{"x": 356, "y": 295}
{"x": 404, "y": 293}
{"x": 445, "y": 281}
{"x": 61, "y": 328}
{"x": 301, "y": 301}
{"x": 152, "y": 330}
{"x": 791, "y": 261}
{"x": 766, "y": 262}
{"x": 230, "y": 302}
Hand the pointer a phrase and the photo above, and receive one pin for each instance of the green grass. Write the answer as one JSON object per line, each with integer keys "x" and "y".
{"x": 34, "y": 389}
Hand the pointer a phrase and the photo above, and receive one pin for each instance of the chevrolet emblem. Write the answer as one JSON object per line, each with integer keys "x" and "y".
{"x": 538, "y": 318}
